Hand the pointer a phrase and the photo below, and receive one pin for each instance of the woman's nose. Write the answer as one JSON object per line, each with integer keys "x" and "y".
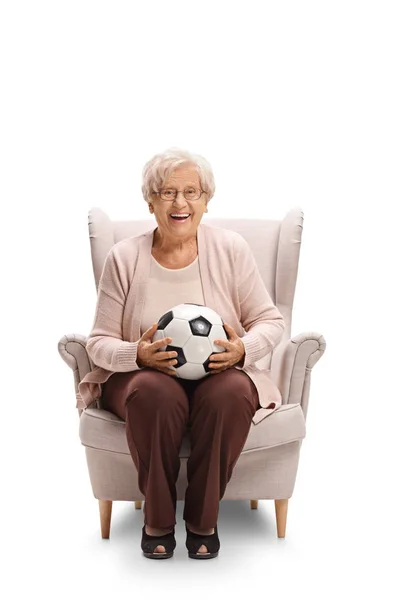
{"x": 180, "y": 199}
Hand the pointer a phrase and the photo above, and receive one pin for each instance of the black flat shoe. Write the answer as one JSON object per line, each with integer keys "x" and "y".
{"x": 195, "y": 540}
{"x": 150, "y": 543}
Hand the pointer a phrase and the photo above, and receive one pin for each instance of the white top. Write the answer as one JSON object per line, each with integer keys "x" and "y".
{"x": 169, "y": 287}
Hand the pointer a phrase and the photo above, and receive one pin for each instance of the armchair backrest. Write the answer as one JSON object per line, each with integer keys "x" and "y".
{"x": 274, "y": 243}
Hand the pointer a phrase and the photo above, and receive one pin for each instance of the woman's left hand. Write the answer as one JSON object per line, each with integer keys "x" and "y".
{"x": 235, "y": 351}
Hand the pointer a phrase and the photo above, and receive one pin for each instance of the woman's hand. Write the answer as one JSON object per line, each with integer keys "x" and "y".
{"x": 235, "y": 351}
{"x": 148, "y": 354}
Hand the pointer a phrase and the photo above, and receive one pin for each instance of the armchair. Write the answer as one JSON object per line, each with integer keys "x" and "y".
{"x": 267, "y": 466}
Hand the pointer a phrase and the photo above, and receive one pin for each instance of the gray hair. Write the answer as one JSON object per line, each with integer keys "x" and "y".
{"x": 159, "y": 168}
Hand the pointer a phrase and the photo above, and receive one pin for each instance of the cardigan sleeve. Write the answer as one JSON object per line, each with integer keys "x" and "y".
{"x": 261, "y": 319}
{"x": 105, "y": 344}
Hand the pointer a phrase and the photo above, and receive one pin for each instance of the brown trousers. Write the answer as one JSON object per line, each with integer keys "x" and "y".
{"x": 157, "y": 408}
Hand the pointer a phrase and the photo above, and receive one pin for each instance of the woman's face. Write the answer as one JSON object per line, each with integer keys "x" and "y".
{"x": 180, "y": 179}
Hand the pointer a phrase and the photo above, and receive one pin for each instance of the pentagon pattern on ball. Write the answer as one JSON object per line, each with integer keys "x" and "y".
{"x": 193, "y": 329}
{"x": 165, "y": 319}
{"x": 200, "y": 326}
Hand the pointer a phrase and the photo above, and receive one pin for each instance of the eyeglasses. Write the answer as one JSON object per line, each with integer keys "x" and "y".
{"x": 190, "y": 193}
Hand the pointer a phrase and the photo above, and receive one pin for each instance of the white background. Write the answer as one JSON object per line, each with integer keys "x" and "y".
{"x": 293, "y": 104}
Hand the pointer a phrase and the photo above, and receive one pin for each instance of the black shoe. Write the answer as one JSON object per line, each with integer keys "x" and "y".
{"x": 150, "y": 543}
{"x": 195, "y": 540}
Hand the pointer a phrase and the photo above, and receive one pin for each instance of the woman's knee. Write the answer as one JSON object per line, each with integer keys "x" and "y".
{"x": 156, "y": 391}
{"x": 232, "y": 390}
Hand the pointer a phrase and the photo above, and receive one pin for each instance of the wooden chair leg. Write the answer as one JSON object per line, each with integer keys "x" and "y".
{"x": 253, "y": 503}
{"x": 138, "y": 504}
{"x": 281, "y": 508}
{"x": 105, "y": 507}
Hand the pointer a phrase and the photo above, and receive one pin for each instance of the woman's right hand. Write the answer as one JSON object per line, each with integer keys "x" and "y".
{"x": 148, "y": 354}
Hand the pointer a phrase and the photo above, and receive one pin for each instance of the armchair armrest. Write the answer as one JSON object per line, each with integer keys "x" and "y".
{"x": 72, "y": 349}
{"x": 291, "y": 369}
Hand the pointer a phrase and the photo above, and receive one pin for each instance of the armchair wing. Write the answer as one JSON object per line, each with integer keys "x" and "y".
{"x": 292, "y": 370}
{"x": 72, "y": 349}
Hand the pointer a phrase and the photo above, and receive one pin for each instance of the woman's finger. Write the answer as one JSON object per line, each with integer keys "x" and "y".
{"x": 216, "y": 371}
{"x": 160, "y": 343}
{"x": 169, "y": 372}
{"x": 222, "y": 357}
{"x": 219, "y": 363}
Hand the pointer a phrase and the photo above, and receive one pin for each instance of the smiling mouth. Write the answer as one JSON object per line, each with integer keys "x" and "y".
{"x": 180, "y": 219}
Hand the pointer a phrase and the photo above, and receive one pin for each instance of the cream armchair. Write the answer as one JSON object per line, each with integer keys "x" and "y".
{"x": 267, "y": 466}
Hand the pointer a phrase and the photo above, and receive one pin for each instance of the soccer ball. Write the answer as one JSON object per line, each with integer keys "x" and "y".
{"x": 193, "y": 329}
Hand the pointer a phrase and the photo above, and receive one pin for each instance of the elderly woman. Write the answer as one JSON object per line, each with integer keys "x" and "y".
{"x": 181, "y": 260}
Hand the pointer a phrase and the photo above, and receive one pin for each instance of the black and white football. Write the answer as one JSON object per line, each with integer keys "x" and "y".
{"x": 193, "y": 329}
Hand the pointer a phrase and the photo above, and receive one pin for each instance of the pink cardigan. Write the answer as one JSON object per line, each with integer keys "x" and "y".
{"x": 232, "y": 286}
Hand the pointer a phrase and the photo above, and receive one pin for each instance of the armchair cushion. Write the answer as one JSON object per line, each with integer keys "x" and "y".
{"x": 101, "y": 429}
